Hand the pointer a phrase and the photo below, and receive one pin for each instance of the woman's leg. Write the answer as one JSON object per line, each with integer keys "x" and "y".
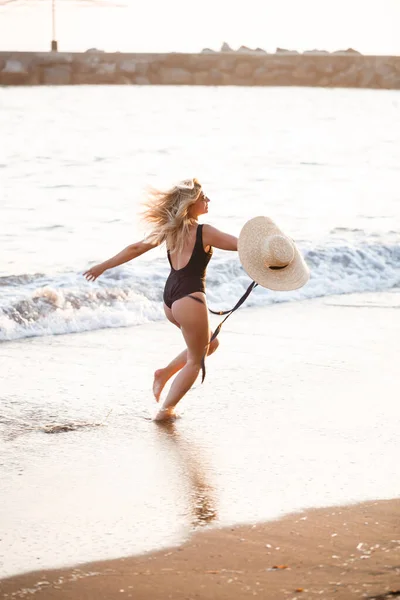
{"x": 161, "y": 376}
{"x": 193, "y": 321}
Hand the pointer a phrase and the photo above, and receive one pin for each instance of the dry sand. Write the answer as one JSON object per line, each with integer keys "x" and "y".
{"x": 336, "y": 553}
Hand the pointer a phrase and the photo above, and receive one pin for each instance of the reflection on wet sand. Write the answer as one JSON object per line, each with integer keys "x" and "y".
{"x": 201, "y": 493}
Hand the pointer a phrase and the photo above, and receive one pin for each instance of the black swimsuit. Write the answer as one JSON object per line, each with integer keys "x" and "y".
{"x": 182, "y": 283}
{"x": 191, "y": 278}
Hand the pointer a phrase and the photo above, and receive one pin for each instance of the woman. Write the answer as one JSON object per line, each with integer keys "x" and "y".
{"x": 173, "y": 216}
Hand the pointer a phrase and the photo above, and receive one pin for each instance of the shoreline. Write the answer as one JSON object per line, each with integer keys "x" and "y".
{"x": 304, "y": 430}
{"x": 342, "y": 552}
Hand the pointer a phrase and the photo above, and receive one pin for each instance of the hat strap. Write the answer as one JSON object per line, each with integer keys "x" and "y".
{"x": 228, "y": 313}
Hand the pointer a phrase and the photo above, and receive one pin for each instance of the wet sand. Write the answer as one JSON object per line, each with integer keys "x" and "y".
{"x": 341, "y": 553}
{"x": 299, "y": 410}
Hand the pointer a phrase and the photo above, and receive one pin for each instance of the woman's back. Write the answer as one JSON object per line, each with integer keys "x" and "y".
{"x": 193, "y": 249}
{"x": 179, "y": 260}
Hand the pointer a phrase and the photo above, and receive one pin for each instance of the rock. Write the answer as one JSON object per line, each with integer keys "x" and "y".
{"x": 244, "y": 70}
{"x": 94, "y": 69}
{"x": 227, "y": 64}
{"x": 212, "y": 76}
{"x": 173, "y": 59}
{"x": 226, "y": 48}
{"x": 123, "y": 80}
{"x": 391, "y": 82}
{"x": 259, "y": 73}
{"x": 305, "y": 73}
{"x": 35, "y": 76}
{"x": 284, "y": 51}
{"x": 226, "y": 79}
{"x": 348, "y": 51}
{"x": 368, "y": 79}
{"x": 216, "y": 77}
{"x": 174, "y": 76}
{"x": 106, "y": 69}
{"x": 324, "y": 82}
{"x": 93, "y": 78}
{"x": 14, "y": 72}
{"x": 325, "y": 67}
{"x": 276, "y": 64}
{"x": 260, "y": 51}
{"x": 383, "y": 70}
{"x": 387, "y": 76}
{"x": 143, "y": 67}
{"x": 272, "y": 76}
{"x": 208, "y": 51}
{"x": 14, "y": 66}
{"x": 128, "y": 66}
{"x": 244, "y": 49}
{"x": 57, "y": 75}
{"x": 141, "y": 80}
{"x": 87, "y": 64}
{"x": 201, "y": 78}
{"x": 99, "y": 69}
{"x": 347, "y": 77}
{"x": 320, "y": 52}
{"x": 53, "y": 58}
{"x": 204, "y": 62}
{"x": 94, "y": 51}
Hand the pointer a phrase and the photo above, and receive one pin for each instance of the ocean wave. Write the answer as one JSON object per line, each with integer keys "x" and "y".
{"x": 37, "y": 305}
{"x": 18, "y": 280}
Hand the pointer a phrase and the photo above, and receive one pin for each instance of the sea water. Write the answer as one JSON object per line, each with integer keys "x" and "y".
{"x": 75, "y": 163}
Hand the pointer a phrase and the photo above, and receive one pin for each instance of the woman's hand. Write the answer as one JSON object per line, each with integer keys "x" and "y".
{"x": 93, "y": 273}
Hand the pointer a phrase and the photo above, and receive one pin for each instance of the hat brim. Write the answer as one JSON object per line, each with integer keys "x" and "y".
{"x": 250, "y": 244}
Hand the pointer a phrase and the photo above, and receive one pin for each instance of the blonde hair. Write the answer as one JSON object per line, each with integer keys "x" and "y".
{"x": 168, "y": 213}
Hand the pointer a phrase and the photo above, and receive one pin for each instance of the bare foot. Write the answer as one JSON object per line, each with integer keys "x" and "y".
{"x": 165, "y": 414}
{"x": 159, "y": 382}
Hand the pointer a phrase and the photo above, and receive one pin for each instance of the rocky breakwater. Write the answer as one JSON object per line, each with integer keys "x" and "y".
{"x": 250, "y": 68}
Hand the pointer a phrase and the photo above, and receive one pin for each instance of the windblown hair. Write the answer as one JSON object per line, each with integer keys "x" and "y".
{"x": 167, "y": 212}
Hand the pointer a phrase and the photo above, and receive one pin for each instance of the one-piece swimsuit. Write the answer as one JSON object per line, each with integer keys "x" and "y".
{"x": 192, "y": 277}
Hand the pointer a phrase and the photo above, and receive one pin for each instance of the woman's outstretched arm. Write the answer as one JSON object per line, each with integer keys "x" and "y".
{"x": 127, "y": 254}
{"x": 214, "y": 237}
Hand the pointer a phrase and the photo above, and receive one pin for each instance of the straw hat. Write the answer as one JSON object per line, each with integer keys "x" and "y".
{"x": 271, "y": 258}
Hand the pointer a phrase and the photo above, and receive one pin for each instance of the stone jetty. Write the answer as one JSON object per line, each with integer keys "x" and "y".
{"x": 243, "y": 67}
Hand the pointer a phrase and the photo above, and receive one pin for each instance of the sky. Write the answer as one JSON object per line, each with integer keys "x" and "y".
{"x": 369, "y": 26}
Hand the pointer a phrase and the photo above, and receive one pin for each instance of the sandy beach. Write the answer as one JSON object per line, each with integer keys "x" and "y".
{"x": 298, "y": 411}
{"x": 345, "y": 552}
{"x": 290, "y": 447}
